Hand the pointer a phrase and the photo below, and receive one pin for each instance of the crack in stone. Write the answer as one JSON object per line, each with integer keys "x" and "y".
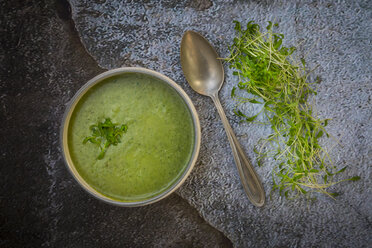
{"x": 201, "y": 4}
{"x": 63, "y": 8}
{"x": 369, "y": 224}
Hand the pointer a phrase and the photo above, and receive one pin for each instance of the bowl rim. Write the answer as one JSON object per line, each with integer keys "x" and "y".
{"x": 70, "y": 106}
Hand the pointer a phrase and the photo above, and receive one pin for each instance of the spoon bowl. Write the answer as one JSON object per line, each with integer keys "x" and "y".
{"x": 200, "y": 64}
{"x": 204, "y": 72}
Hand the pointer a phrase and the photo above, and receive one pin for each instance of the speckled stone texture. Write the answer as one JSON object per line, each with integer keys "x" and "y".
{"x": 335, "y": 36}
{"x": 42, "y": 64}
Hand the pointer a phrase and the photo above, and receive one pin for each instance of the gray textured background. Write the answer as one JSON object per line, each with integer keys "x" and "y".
{"x": 337, "y": 37}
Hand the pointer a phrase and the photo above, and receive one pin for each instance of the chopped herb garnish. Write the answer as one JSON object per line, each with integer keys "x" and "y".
{"x": 272, "y": 77}
{"x": 105, "y": 134}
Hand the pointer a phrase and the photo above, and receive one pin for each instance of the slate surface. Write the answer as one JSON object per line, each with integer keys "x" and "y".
{"x": 337, "y": 37}
{"x": 42, "y": 64}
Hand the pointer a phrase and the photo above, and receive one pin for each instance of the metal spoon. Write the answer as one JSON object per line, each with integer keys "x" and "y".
{"x": 204, "y": 72}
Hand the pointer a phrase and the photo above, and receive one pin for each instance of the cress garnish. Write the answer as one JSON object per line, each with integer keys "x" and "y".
{"x": 105, "y": 134}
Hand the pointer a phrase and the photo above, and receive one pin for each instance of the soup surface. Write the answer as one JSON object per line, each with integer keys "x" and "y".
{"x": 155, "y": 150}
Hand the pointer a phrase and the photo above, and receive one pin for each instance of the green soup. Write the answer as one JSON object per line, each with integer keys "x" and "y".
{"x": 153, "y": 153}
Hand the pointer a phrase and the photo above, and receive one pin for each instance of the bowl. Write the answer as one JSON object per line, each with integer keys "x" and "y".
{"x": 74, "y": 111}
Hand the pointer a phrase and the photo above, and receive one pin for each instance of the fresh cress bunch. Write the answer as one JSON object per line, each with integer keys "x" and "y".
{"x": 268, "y": 72}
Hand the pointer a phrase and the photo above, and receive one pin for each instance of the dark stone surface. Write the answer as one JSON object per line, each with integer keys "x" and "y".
{"x": 42, "y": 65}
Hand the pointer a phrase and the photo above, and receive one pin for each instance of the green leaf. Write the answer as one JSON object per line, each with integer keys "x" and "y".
{"x": 296, "y": 178}
{"x": 277, "y": 44}
{"x": 259, "y": 162}
{"x": 123, "y": 128}
{"x": 233, "y": 92}
{"x": 101, "y": 154}
{"x": 252, "y": 118}
{"x": 254, "y": 101}
{"x": 328, "y": 172}
{"x": 87, "y": 139}
{"x": 239, "y": 113}
{"x": 303, "y": 191}
{"x": 318, "y": 80}
{"x": 303, "y": 62}
{"x": 356, "y": 178}
{"x": 286, "y": 194}
{"x": 269, "y": 27}
{"x": 320, "y": 134}
{"x": 325, "y": 178}
{"x": 237, "y": 27}
{"x": 342, "y": 170}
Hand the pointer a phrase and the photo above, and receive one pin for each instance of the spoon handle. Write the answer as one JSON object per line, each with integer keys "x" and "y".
{"x": 251, "y": 183}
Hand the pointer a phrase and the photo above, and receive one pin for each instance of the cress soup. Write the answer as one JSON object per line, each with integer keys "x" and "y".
{"x": 152, "y": 154}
